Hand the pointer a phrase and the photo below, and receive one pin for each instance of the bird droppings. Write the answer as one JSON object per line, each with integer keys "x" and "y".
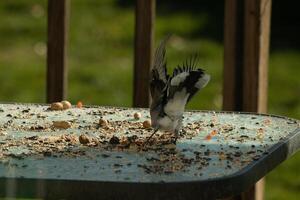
{"x": 30, "y": 134}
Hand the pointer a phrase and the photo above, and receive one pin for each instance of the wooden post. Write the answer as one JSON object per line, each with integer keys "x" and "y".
{"x": 256, "y": 54}
{"x": 58, "y": 14}
{"x": 233, "y": 55}
{"x": 246, "y": 50}
{"x": 144, "y": 36}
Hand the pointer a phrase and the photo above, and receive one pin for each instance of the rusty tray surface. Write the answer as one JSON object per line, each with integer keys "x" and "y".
{"x": 218, "y": 153}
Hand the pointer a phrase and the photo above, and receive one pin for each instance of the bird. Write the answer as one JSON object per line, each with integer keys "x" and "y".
{"x": 171, "y": 93}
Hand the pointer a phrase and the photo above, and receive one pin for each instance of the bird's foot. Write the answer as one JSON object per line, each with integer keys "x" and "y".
{"x": 174, "y": 140}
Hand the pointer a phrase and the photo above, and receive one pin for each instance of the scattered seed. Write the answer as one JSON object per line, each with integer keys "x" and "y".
{"x": 114, "y": 140}
{"x": 3, "y": 133}
{"x": 103, "y": 122}
{"x": 62, "y": 124}
{"x": 84, "y": 139}
{"x": 66, "y": 105}
{"x": 56, "y": 106}
{"x": 147, "y": 124}
{"x": 47, "y": 153}
{"x": 79, "y": 104}
{"x": 137, "y": 115}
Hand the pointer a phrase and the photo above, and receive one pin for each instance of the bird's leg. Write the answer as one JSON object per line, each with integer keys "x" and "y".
{"x": 177, "y": 130}
{"x": 177, "y": 133}
{"x": 146, "y": 142}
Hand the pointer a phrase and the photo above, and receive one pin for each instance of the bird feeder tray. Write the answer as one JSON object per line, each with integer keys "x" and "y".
{"x": 69, "y": 154}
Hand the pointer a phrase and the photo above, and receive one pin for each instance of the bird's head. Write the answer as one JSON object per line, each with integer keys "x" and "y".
{"x": 154, "y": 113}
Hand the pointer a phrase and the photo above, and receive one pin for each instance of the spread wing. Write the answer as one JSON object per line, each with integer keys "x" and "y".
{"x": 159, "y": 77}
{"x": 183, "y": 85}
{"x": 160, "y": 62}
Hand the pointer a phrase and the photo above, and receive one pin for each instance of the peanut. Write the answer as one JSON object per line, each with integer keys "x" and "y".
{"x": 56, "y": 106}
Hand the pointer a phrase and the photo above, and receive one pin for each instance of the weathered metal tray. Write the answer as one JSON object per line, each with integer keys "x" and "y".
{"x": 218, "y": 154}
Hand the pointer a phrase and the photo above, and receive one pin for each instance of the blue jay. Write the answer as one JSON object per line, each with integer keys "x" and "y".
{"x": 170, "y": 94}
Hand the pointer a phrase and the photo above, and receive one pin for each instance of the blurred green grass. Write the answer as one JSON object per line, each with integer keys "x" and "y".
{"x": 100, "y": 61}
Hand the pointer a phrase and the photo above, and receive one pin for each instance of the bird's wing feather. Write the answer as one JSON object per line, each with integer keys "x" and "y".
{"x": 160, "y": 63}
{"x": 159, "y": 77}
{"x": 183, "y": 85}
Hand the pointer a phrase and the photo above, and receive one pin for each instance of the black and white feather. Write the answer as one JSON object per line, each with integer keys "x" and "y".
{"x": 170, "y": 94}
